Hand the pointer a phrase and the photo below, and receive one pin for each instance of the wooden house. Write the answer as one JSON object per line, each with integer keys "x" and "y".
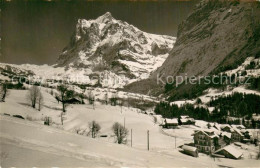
{"x": 229, "y": 152}
{"x": 205, "y": 140}
{"x": 170, "y": 123}
{"x": 190, "y": 150}
{"x": 236, "y": 135}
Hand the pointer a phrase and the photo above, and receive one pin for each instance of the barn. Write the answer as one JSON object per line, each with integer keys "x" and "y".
{"x": 229, "y": 152}
{"x": 190, "y": 150}
{"x": 170, "y": 123}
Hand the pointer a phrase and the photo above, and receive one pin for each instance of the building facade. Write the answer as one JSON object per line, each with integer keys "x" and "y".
{"x": 205, "y": 141}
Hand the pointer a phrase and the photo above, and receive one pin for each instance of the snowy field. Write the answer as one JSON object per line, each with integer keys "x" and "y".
{"x": 30, "y": 143}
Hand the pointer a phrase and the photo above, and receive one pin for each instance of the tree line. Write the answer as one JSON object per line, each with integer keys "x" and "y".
{"x": 235, "y": 105}
{"x": 168, "y": 110}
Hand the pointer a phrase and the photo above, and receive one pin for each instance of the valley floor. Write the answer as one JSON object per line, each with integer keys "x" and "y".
{"x": 28, "y": 143}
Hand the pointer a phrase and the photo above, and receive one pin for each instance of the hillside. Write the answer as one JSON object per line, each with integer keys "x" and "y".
{"x": 217, "y": 36}
{"x": 29, "y": 143}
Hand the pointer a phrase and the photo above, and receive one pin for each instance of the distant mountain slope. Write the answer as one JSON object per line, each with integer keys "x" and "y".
{"x": 216, "y": 32}
{"x": 217, "y": 36}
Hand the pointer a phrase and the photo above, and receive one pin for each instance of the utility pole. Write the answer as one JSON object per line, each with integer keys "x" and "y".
{"x": 131, "y": 137}
{"x": 127, "y": 101}
{"x": 175, "y": 142}
{"x": 61, "y": 117}
{"x": 124, "y": 122}
{"x": 94, "y": 103}
{"x": 92, "y": 129}
{"x": 148, "y": 140}
{"x": 258, "y": 143}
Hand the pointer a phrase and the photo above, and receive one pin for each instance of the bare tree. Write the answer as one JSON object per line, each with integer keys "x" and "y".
{"x": 91, "y": 98}
{"x": 57, "y": 98}
{"x": 64, "y": 95}
{"x": 82, "y": 96}
{"x": 33, "y": 95}
{"x": 106, "y": 98}
{"x": 95, "y": 128}
{"x": 120, "y": 132}
{"x": 51, "y": 92}
{"x": 4, "y": 91}
{"x": 40, "y": 101}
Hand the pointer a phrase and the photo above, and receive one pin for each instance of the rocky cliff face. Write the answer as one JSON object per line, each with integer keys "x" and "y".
{"x": 216, "y": 36}
{"x": 215, "y": 32}
{"x": 107, "y": 44}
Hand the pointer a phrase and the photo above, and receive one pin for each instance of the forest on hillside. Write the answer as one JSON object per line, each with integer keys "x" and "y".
{"x": 237, "y": 105}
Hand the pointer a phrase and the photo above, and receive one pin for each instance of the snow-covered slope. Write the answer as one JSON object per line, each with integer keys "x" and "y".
{"x": 251, "y": 69}
{"x": 28, "y": 143}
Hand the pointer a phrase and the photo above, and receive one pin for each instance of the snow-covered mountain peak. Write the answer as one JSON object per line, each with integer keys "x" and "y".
{"x": 106, "y": 44}
{"x": 107, "y": 17}
{"x": 118, "y": 52}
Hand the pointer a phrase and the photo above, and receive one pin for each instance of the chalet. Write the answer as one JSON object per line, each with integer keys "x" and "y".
{"x": 217, "y": 126}
{"x": 170, "y": 123}
{"x": 226, "y": 128}
{"x": 186, "y": 120}
{"x": 240, "y": 127}
{"x": 229, "y": 152}
{"x": 226, "y": 137}
{"x": 221, "y": 144}
{"x": 246, "y": 133}
{"x": 236, "y": 135}
{"x": 184, "y": 116}
{"x": 205, "y": 140}
{"x": 190, "y": 150}
{"x": 74, "y": 101}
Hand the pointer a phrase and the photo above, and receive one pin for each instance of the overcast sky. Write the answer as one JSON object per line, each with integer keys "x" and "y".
{"x": 37, "y": 31}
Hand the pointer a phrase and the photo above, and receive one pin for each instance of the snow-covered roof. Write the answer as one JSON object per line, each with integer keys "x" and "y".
{"x": 238, "y": 131}
{"x": 213, "y": 136}
{"x": 231, "y": 150}
{"x": 238, "y": 126}
{"x": 217, "y": 126}
{"x": 208, "y": 132}
{"x": 187, "y": 119}
{"x": 227, "y": 134}
{"x": 184, "y": 116}
{"x": 171, "y": 121}
{"x": 245, "y": 131}
{"x": 225, "y": 126}
{"x": 211, "y": 109}
{"x": 189, "y": 148}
